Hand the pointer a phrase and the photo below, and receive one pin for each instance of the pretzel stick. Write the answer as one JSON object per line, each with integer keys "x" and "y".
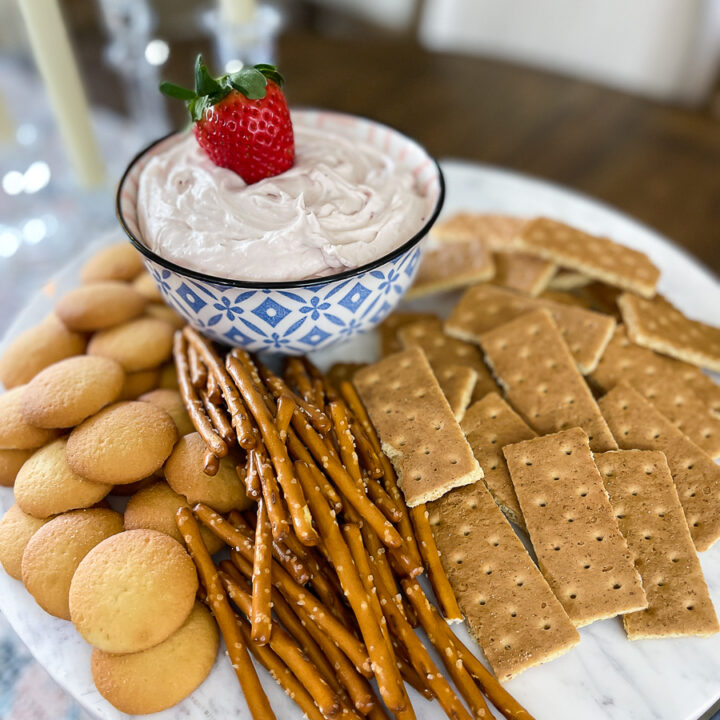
{"x": 192, "y": 402}
{"x": 251, "y": 478}
{"x": 236, "y": 646}
{"x": 368, "y": 457}
{"x": 294, "y": 593}
{"x": 198, "y": 372}
{"x": 219, "y": 419}
{"x": 213, "y": 389}
{"x": 377, "y": 494}
{"x": 431, "y": 558}
{"x": 346, "y": 442}
{"x": 211, "y": 463}
{"x": 279, "y": 524}
{"x": 260, "y": 616}
{"x": 297, "y": 375}
{"x": 390, "y": 683}
{"x": 434, "y": 627}
{"x": 299, "y": 513}
{"x": 345, "y": 484}
{"x": 238, "y": 412}
{"x": 318, "y": 380}
{"x": 288, "y": 651}
{"x": 285, "y": 409}
{"x": 409, "y": 674}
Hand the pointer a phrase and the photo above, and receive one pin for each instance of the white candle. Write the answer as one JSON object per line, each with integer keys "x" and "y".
{"x": 236, "y": 12}
{"x": 55, "y": 61}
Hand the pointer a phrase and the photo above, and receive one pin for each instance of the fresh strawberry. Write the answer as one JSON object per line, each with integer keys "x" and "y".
{"x": 241, "y": 120}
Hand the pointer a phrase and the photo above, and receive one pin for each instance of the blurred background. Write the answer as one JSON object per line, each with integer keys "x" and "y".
{"x": 617, "y": 99}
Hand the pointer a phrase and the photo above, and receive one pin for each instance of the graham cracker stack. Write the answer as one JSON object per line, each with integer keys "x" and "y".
{"x": 651, "y": 519}
{"x": 637, "y": 424}
{"x": 659, "y": 380}
{"x": 388, "y": 328}
{"x": 571, "y": 524}
{"x": 484, "y": 307}
{"x": 565, "y": 280}
{"x": 489, "y": 425}
{"x": 660, "y": 326}
{"x": 457, "y": 383}
{"x": 450, "y": 266}
{"x": 498, "y": 230}
{"x": 417, "y": 428}
{"x": 509, "y": 608}
{"x": 598, "y": 258}
{"x": 534, "y": 366}
{"x": 522, "y": 272}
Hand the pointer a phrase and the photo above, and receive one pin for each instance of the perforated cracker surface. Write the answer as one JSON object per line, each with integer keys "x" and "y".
{"x": 388, "y": 329}
{"x": 507, "y": 603}
{"x": 523, "y": 272}
{"x": 533, "y": 364}
{"x": 596, "y": 257}
{"x": 651, "y": 519}
{"x": 497, "y": 229}
{"x": 572, "y": 527}
{"x": 484, "y": 307}
{"x": 489, "y": 425}
{"x": 416, "y": 426}
{"x": 659, "y": 325}
{"x": 637, "y": 424}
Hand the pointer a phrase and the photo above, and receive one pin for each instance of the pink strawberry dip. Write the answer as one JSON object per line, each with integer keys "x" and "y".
{"x": 343, "y": 204}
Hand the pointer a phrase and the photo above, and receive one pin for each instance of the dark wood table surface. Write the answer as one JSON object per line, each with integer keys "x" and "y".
{"x": 656, "y": 162}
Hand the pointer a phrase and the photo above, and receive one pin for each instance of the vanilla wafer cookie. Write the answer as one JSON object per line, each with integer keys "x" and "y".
{"x": 659, "y": 380}
{"x": 660, "y": 326}
{"x": 533, "y": 365}
{"x": 416, "y": 426}
{"x": 498, "y": 230}
{"x": 388, "y": 329}
{"x": 457, "y": 383}
{"x": 449, "y": 266}
{"x": 489, "y": 425}
{"x": 596, "y": 257}
{"x": 637, "y": 424}
{"x": 571, "y": 524}
{"x": 508, "y": 605}
{"x": 650, "y": 517}
{"x": 522, "y": 272}
{"x": 484, "y": 307}
{"x": 442, "y": 350}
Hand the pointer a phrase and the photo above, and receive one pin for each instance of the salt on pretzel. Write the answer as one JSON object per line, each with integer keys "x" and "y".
{"x": 297, "y": 375}
{"x": 198, "y": 371}
{"x": 219, "y": 419}
{"x": 388, "y": 677}
{"x": 297, "y": 506}
{"x": 211, "y": 463}
{"x": 366, "y": 452}
{"x": 213, "y": 388}
{"x": 279, "y": 521}
{"x": 285, "y": 409}
{"x": 261, "y": 612}
{"x": 250, "y": 477}
{"x": 431, "y": 558}
{"x": 319, "y": 381}
{"x": 236, "y": 646}
{"x": 382, "y": 499}
{"x": 215, "y": 444}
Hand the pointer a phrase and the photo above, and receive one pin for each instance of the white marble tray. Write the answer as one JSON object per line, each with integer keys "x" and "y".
{"x": 605, "y": 677}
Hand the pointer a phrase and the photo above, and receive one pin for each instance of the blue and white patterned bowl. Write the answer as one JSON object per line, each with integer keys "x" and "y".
{"x": 296, "y": 317}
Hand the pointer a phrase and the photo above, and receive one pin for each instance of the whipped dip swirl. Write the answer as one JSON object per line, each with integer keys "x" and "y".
{"x": 343, "y": 204}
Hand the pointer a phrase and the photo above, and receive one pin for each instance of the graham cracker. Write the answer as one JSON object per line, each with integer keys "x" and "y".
{"x": 522, "y": 272}
{"x": 484, "y": 307}
{"x": 565, "y": 280}
{"x": 442, "y": 350}
{"x": 532, "y": 363}
{"x": 388, "y": 329}
{"x": 650, "y": 517}
{"x": 508, "y": 605}
{"x": 417, "y": 428}
{"x": 662, "y": 327}
{"x": 489, "y": 425}
{"x": 596, "y": 257}
{"x": 566, "y": 298}
{"x": 457, "y": 383}
{"x": 602, "y": 298}
{"x": 449, "y": 266}
{"x": 659, "y": 380}
{"x": 637, "y": 424}
{"x": 498, "y": 230}
{"x": 573, "y": 529}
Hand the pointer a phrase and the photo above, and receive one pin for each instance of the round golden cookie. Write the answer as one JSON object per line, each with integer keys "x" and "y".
{"x": 10, "y": 463}
{"x": 168, "y": 376}
{"x": 123, "y": 443}
{"x": 145, "y": 285}
{"x": 155, "y": 507}
{"x": 132, "y": 488}
{"x": 45, "y": 484}
{"x": 117, "y": 262}
{"x": 56, "y": 549}
{"x": 139, "y": 344}
{"x": 171, "y": 401}
{"x": 165, "y": 312}
{"x": 16, "y": 529}
{"x": 64, "y": 394}
{"x": 15, "y": 432}
{"x": 137, "y": 383}
{"x": 132, "y": 591}
{"x": 37, "y": 348}
{"x": 184, "y": 472}
{"x": 100, "y": 305}
{"x": 158, "y": 678}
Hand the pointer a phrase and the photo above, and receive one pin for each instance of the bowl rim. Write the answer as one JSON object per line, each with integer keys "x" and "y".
{"x": 285, "y": 284}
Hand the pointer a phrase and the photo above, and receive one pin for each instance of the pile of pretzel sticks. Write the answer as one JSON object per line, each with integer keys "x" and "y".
{"x": 323, "y": 575}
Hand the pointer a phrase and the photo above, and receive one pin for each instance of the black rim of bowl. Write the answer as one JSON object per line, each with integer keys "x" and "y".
{"x": 229, "y": 282}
